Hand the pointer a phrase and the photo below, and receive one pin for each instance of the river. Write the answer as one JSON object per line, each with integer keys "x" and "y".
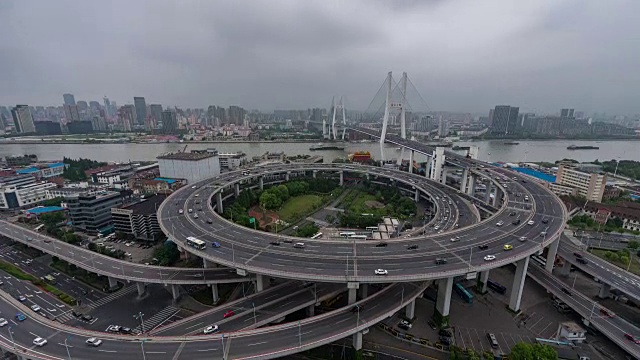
{"x": 490, "y": 150}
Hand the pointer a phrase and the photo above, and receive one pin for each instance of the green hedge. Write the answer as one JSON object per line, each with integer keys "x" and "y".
{"x": 18, "y": 273}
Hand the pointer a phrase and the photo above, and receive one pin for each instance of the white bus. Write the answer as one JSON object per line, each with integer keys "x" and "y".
{"x": 317, "y": 236}
{"x": 362, "y": 237}
{"x": 39, "y": 227}
{"x": 196, "y": 243}
{"x": 371, "y": 228}
{"x": 347, "y": 233}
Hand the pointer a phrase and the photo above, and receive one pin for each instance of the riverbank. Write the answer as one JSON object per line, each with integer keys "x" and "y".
{"x": 72, "y": 142}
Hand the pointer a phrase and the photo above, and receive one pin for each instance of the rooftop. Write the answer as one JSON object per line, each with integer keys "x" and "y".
{"x": 185, "y": 156}
{"x": 572, "y": 327}
{"x": 44, "y": 209}
{"x": 148, "y": 205}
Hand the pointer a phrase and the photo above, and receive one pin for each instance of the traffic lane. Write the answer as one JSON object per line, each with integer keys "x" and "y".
{"x": 615, "y": 327}
{"x": 316, "y": 330}
{"x": 49, "y": 304}
{"x": 201, "y": 320}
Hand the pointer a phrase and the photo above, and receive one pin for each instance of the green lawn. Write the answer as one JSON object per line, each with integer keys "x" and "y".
{"x": 296, "y": 207}
{"x": 358, "y": 205}
{"x": 635, "y": 266}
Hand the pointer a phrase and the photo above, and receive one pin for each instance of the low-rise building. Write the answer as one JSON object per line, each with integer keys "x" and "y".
{"x": 589, "y": 185}
{"x": 231, "y": 161}
{"x": 45, "y": 171}
{"x": 572, "y": 332}
{"x": 139, "y": 219}
{"x": 91, "y": 213}
{"x": 22, "y": 190}
{"x": 561, "y": 190}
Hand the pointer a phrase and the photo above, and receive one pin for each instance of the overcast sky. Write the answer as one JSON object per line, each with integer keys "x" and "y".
{"x": 462, "y": 55}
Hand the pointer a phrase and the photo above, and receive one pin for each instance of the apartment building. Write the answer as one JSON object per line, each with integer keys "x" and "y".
{"x": 139, "y": 219}
{"x": 588, "y": 185}
{"x": 91, "y": 213}
{"x": 22, "y": 190}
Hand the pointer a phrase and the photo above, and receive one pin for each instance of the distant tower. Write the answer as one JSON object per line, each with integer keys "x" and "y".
{"x": 69, "y": 99}
{"x": 338, "y": 109}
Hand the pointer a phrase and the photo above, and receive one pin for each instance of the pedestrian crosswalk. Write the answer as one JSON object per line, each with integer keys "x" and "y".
{"x": 63, "y": 318}
{"x": 118, "y": 294}
{"x": 157, "y": 319}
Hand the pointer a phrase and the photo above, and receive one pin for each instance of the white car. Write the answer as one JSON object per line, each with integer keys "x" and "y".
{"x": 523, "y": 238}
{"x": 500, "y": 223}
{"x": 211, "y": 329}
{"x": 180, "y": 211}
{"x": 489, "y": 257}
{"x": 39, "y": 341}
{"x": 35, "y": 308}
{"x": 194, "y": 187}
{"x": 381, "y": 272}
{"x": 3, "y": 322}
{"x": 190, "y": 210}
{"x": 454, "y": 239}
{"x": 94, "y": 342}
{"x": 531, "y": 222}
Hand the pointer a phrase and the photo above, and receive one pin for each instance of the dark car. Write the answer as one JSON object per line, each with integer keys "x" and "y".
{"x": 126, "y": 330}
{"x": 275, "y": 243}
{"x": 432, "y": 324}
{"x": 516, "y": 222}
{"x": 412, "y": 247}
{"x": 605, "y": 312}
{"x": 403, "y": 326}
{"x": 566, "y": 291}
{"x": 582, "y": 261}
{"x": 578, "y": 255}
{"x": 209, "y": 221}
{"x": 445, "y": 332}
{"x": 445, "y": 340}
{"x": 483, "y": 247}
{"x": 441, "y": 261}
{"x": 545, "y": 221}
{"x": 382, "y": 244}
{"x": 86, "y": 317}
{"x": 513, "y": 213}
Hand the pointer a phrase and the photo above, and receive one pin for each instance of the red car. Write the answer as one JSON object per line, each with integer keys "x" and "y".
{"x": 606, "y": 313}
{"x": 630, "y": 337}
{"x": 229, "y": 313}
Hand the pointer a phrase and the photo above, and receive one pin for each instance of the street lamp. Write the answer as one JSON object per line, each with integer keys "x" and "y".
{"x": 299, "y": 334}
{"x": 144, "y": 356}
{"x": 11, "y": 335}
{"x": 140, "y": 317}
{"x": 255, "y": 320}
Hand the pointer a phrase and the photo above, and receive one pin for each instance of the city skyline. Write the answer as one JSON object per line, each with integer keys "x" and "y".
{"x": 540, "y": 56}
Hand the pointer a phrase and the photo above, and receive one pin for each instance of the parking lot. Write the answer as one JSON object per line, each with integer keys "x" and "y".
{"x": 139, "y": 252}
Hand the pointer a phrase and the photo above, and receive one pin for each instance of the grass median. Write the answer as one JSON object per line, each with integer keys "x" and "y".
{"x": 18, "y": 273}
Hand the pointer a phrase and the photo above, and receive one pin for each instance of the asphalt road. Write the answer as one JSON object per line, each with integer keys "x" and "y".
{"x": 606, "y": 272}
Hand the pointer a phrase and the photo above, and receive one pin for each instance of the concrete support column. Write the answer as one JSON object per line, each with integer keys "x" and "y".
{"x": 428, "y": 167}
{"x": 437, "y": 164}
{"x": 552, "y": 251}
{"x": 353, "y": 292}
{"x": 518, "y": 284}
{"x": 481, "y": 285}
{"x": 364, "y": 291}
{"x": 471, "y": 185}
{"x": 605, "y": 291}
{"x": 341, "y": 178}
{"x": 286, "y": 176}
{"x": 357, "y": 341}
{"x": 261, "y": 282}
{"x": 311, "y": 310}
{"x": 214, "y": 293}
{"x": 261, "y": 181}
{"x": 496, "y": 197}
{"x": 410, "y": 310}
{"x": 411, "y": 162}
{"x": 141, "y": 288}
{"x": 443, "y": 302}
{"x": 417, "y": 196}
{"x": 208, "y": 264}
{"x": 445, "y": 171}
{"x": 487, "y": 195}
{"x": 315, "y": 173}
{"x": 219, "y": 203}
{"x": 237, "y": 189}
{"x": 175, "y": 291}
{"x": 463, "y": 180}
{"x": 564, "y": 269}
{"x": 113, "y": 283}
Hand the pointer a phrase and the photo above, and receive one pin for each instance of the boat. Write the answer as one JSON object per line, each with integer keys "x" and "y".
{"x": 458, "y": 147}
{"x": 511, "y": 143}
{"x": 326, "y": 147}
{"x": 583, "y": 147}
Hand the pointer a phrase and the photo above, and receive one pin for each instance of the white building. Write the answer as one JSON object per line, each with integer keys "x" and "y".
{"x": 231, "y": 161}
{"x": 570, "y": 331}
{"x": 589, "y": 185}
{"x": 19, "y": 191}
{"x": 193, "y": 166}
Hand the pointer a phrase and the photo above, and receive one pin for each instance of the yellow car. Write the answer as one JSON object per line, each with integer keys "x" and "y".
{"x": 507, "y": 247}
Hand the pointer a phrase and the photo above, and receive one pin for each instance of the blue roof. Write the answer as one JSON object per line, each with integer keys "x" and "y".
{"x": 58, "y": 164}
{"x": 44, "y": 209}
{"x": 27, "y": 170}
{"x": 535, "y": 173}
{"x": 167, "y": 180}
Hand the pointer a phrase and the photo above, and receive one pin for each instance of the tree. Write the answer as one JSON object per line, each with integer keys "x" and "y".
{"x": 307, "y": 230}
{"x": 269, "y": 200}
{"x": 167, "y": 254}
{"x": 525, "y": 351}
{"x": 633, "y": 244}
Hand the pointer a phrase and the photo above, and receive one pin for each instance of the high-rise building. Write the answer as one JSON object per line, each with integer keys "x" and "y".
{"x": 82, "y": 106}
{"x": 156, "y": 113}
{"x": 71, "y": 113}
{"x": 92, "y": 212}
{"x": 566, "y": 113}
{"x": 126, "y": 115}
{"x": 141, "y": 110}
{"x": 169, "y": 122}
{"x": 107, "y": 107}
{"x": 69, "y": 99}
{"x": 23, "y": 120}
{"x": 236, "y": 115}
{"x": 504, "y": 120}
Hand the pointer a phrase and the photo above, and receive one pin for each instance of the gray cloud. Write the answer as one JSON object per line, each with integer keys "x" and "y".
{"x": 460, "y": 54}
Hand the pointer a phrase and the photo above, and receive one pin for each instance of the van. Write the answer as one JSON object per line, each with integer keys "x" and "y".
{"x": 492, "y": 340}
{"x": 299, "y": 245}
